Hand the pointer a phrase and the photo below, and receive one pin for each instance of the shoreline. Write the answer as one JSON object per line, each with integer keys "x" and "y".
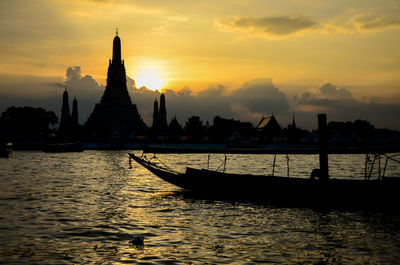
{"x": 218, "y": 148}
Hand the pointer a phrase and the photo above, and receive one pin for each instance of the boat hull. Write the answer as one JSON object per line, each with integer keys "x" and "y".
{"x": 283, "y": 190}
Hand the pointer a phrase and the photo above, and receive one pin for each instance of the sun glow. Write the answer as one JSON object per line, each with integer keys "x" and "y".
{"x": 150, "y": 77}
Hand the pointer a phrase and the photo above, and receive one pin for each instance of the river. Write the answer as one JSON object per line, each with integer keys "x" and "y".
{"x": 75, "y": 208}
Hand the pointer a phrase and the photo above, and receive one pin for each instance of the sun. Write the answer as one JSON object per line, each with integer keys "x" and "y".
{"x": 150, "y": 78}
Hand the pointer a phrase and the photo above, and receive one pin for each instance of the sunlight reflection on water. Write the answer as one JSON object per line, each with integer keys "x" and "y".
{"x": 88, "y": 207}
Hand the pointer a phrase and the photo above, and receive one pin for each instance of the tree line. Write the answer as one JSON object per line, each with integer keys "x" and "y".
{"x": 28, "y": 124}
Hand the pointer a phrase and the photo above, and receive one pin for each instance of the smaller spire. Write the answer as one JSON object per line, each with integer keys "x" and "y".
{"x": 116, "y": 32}
{"x": 293, "y": 122}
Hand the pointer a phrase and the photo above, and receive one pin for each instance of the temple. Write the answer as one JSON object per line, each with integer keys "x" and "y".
{"x": 268, "y": 128}
{"x": 65, "y": 121}
{"x": 160, "y": 125}
{"x": 69, "y": 128}
{"x": 115, "y": 115}
{"x": 74, "y": 113}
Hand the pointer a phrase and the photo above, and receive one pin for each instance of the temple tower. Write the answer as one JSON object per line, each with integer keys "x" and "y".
{"x": 160, "y": 125}
{"x": 74, "y": 114}
{"x": 116, "y": 49}
{"x": 163, "y": 116}
{"x": 155, "y": 115}
{"x": 293, "y": 127}
{"x": 65, "y": 121}
{"x": 115, "y": 115}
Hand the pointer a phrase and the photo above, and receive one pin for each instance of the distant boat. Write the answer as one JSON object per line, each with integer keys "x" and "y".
{"x": 6, "y": 150}
{"x": 281, "y": 190}
{"x": 63, "y": 147}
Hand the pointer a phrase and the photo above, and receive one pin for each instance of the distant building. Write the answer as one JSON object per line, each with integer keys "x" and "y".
{"x": 155, "y": 115}
{"x": 163, "y": 115}
{"x": 228, "y": 130}
{"x": 175, "y": 130}
{"x": 74, "y": 114}
{"x": 269, "y": 128}
{"x": 69, "y": 125}
{"x": 160, "y": 124}
{"x": 293, "y": 125}
{"x": 292, "y": 132}
{"x": 115, "y": 115}
{"x": 65, "y": 121}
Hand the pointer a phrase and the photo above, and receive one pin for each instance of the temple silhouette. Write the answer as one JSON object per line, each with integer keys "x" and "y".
{"x": 69, "y": 123}
{"x": 115, "y": 115}
{"x": 160, "y": 124}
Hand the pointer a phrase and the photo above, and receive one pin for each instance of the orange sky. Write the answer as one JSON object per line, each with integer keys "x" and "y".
{"x": 300, "y": 44}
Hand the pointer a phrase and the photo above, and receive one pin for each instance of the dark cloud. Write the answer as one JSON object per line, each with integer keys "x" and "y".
{"x": 250, "y": 102}
{"x": 254, "y": 99}
{"x": 261, "y": 96}
{"x": 279, "y": 26}
{"x": 326, "y": 95}
{"x": 183, "y": 103}
{"x": 85, "y": 87}
{"x": 73, "y": 72}
{"x": 35, "y": 91}
{"x": 258, "y": 96}
{"x": 29, "y": 86}
{"x": 377, "y": 22}
{"x": 332, "y": 91}
{"x": 47, "y": 92}
{"x": 87, "y": 91}
{"x": 340, "y": 105}
{"x": 215, "y": 91}
{"x": 185, "y": 91}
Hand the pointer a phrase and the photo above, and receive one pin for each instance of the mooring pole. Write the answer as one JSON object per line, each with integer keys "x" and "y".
{"x": 323, "y": 147}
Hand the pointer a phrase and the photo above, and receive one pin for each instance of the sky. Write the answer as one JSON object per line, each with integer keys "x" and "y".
{"x": 241, "y": 59}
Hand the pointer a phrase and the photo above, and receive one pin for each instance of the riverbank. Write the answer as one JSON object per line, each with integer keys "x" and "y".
{"x": 223, "y": 148}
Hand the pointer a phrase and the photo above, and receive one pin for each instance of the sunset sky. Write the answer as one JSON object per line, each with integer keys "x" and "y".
{"x": 240, "y": 59}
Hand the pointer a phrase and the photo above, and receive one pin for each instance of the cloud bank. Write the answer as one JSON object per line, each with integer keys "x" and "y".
{"x": 271, "y": 26}
{"x": 340, "y": 105}
{"x": 47, "y": 92}
{"x": 374, "y": 22}
{"x": 286, "y": 25}
{"x": 252, "y": 100}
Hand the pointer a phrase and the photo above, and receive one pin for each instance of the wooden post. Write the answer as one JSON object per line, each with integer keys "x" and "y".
{"x": 323, "y": 145}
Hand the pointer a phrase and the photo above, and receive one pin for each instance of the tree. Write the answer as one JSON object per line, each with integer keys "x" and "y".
{"x": 222, "y": 129}
{"x": 175, "y": 130}
{"x": 363, "y": 128}
{"x": 194, "y": 128}
{"x": 27, "y": 123}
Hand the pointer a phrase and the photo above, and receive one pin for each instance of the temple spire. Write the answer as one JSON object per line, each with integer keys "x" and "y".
{"x": 115, "y": 115}
{"x": 116, "y": 49}
{"x": 293, "y": 122}
{"x": 155, "y": 115}
{"x": 65, "y": 121}
{"x": 162, "y": 116}
{"x": 74, "y": 114}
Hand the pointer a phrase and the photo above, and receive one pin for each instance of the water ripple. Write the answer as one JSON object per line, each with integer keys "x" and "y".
{"x": 89, "y": 207}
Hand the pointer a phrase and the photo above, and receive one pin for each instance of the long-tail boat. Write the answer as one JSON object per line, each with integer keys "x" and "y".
{"x": 366, "y": 193}
{"x": 317, "y": 190}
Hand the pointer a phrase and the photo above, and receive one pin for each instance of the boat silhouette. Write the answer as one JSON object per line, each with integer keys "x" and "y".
{"x": 290, "y": 191}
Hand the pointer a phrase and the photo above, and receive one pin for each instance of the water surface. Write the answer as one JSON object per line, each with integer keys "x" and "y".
{"x": 70, "y": 208}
